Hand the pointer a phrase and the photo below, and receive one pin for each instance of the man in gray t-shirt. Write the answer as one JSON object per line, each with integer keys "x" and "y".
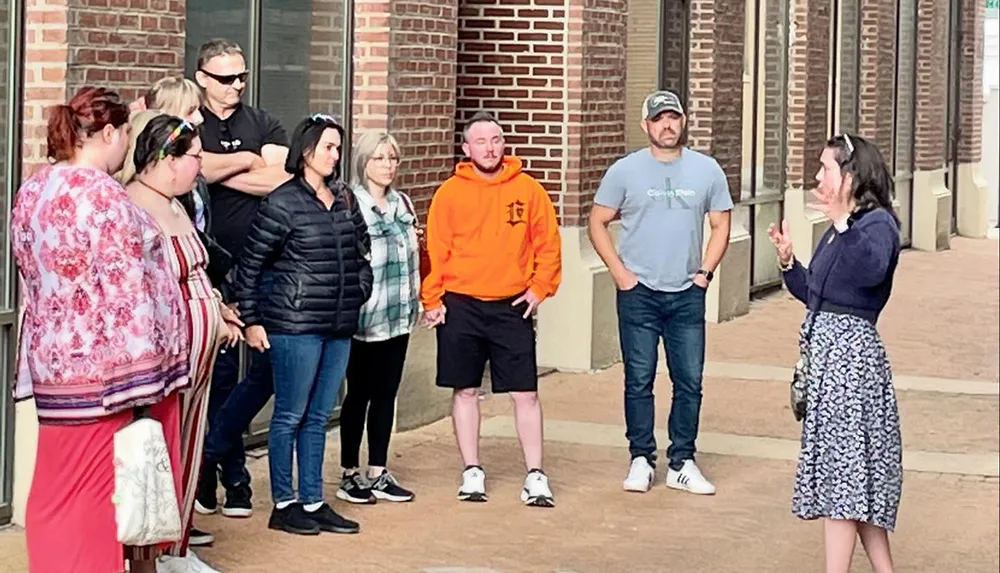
{"x": 663, "y": 193}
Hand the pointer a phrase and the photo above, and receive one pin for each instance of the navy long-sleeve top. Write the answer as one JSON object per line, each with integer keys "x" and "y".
{"x": 852, "y": 269}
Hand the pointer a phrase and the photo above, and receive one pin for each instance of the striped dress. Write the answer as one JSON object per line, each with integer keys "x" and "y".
{"x": 189, "y": 259}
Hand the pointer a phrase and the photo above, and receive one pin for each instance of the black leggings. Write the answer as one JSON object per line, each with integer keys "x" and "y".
{"x": 373, "y": 375}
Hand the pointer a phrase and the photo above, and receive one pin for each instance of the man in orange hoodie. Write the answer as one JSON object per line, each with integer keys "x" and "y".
{"x": 495, "y": 255}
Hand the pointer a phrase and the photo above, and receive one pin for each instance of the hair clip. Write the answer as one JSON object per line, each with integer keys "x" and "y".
{"x": 849, "y": 144}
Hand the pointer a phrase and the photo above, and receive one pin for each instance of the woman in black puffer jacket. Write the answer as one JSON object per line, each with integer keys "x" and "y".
{"x": 300, "y": 282}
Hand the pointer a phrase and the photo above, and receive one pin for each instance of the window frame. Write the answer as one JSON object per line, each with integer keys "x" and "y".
{"x": 9, "y": 313}
{"x": 836, "y": 98}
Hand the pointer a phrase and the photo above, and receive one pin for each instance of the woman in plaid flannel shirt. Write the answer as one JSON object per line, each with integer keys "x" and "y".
{"x": 379, "y": 347}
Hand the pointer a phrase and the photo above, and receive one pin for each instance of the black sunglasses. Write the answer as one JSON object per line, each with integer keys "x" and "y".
{"x": 227, "y": 79}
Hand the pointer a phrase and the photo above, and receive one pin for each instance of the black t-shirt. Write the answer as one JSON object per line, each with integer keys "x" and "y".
{"x": 247, "y": 129}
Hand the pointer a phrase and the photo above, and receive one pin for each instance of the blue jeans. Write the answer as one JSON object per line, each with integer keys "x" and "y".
{"x": 644, "y": 316}
{"x": 308, "y": 371}
{"x": 232, "y": 405}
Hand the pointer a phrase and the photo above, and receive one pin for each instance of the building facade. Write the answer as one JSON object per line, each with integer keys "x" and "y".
{"x": 766, "y": 83}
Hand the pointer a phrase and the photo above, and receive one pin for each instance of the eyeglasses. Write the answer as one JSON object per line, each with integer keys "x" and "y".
{"x": 184, "y": 126}
{"x": 228, "y": 79}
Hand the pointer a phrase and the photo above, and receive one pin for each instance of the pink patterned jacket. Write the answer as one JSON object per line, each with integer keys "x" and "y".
{"x": 103, "y": 324}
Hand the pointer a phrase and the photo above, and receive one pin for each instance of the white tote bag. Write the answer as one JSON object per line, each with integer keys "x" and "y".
{"x": 145, "y": 498}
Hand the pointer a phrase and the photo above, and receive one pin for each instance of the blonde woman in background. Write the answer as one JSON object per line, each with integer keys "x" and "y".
{"x": 378, "y": 350}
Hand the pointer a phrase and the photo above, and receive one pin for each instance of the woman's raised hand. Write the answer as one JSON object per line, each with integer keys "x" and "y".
{"x": 782, "y": 240}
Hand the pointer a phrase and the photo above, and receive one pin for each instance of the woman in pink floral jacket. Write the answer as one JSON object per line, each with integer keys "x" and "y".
{"x": 102, "y": 333}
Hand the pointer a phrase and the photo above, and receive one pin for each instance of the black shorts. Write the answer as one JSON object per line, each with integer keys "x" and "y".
{"x": 475, "y": 331}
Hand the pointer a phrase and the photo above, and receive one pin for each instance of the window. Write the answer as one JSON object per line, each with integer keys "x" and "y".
{"x": 11, "y": 18}
{"x": 846, "y": 66}
{"x": 764, "y": 133}
{"x": 298, "y": 52}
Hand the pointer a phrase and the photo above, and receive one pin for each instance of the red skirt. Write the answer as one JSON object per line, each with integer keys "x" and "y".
{"x": 70, "y": 521}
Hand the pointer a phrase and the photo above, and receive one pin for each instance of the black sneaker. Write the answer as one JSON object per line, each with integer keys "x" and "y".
{"x": 206, "y": 501}
{"x": 200, "y": 538}
{"x": 293, "y": 519}
{"x": 329, "y": 520}
{"x": 238, "y": 502}
{"x": 354, "y": 488}
{"x": 386, "y": 487}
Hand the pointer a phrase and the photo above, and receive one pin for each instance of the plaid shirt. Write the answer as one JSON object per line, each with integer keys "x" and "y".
{"x": 394, "y": 306}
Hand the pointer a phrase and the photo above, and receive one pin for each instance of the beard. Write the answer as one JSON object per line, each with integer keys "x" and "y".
{"x": 678, "y": 140}
{"x": 489, "y": 170}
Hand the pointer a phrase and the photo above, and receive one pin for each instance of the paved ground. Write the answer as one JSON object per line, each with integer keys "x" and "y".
{"x": 942, "y": 333}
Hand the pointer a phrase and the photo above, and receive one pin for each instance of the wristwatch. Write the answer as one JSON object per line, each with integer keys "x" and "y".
{"x": 708, "y": 274}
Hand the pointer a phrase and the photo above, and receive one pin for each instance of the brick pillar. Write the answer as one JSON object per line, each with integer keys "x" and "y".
{"x": 974, "y": 211}
{"x": 125, "y": 46}
{"x": 807, "y": 116}
{"x": 405, "y": 84}
{"x": 931, "y": 198}
{"x": 932, "y": 82}
{"x": 715, "y": 102}
{"x": 971, "y": 104}
{"x": 878, "y": 71}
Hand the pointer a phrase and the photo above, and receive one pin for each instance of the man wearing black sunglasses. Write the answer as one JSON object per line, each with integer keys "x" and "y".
{"x": 243, "y": 160}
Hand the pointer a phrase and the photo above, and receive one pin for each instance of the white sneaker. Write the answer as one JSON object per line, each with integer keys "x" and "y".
{"x": 188, "y": 564}
{"x": 640, "y": 476}
{"x": 536, "y": 490}
{"x": 689, "y": 479}
{"x": 196, "y": 565}
{"x": 473, "y": 484}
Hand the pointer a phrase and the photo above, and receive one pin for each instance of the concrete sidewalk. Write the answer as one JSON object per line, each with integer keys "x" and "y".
{"x": 941, "y": 330}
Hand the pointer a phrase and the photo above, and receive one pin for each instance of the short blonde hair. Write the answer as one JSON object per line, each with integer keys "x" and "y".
{"x": 173, "y": 95}
{"x": 365, "y": 148}
{"x": 138, "y": 122}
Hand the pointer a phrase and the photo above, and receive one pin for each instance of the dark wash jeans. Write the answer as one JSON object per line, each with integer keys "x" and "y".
{"x": 645, "y": 316}
{"x": 232, "y": 405}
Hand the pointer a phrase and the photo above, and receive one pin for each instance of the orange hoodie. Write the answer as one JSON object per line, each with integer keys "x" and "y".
{"x": 491, "y": 238}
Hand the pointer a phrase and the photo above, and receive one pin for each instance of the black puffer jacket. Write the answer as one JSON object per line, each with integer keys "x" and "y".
{"x": 304, "y": 269}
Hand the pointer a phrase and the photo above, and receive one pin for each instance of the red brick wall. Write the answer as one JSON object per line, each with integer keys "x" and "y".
{"x": 422, "y": 92}
{"x": 808, "y": 89}
{"x": 511, "y": 59}
{"x": 716, "y": 84}
{"x": 878, "y": 66}
{"x": 971, "y": 106}
{"x": 602, "y": 117}
{"x": 404, "y": 83}
{"x": 122, "y": 44}
{"x": 932, "y": 81}
{"x": 554, "y": 75}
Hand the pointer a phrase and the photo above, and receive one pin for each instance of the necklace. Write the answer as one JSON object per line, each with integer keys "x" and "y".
{"x": 170, "y": 200}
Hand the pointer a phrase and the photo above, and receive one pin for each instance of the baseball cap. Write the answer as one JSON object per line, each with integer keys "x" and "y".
{"x": 659, "y": 102}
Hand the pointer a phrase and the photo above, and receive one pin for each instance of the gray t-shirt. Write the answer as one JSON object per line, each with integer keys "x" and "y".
{"x": 663, "y": 207}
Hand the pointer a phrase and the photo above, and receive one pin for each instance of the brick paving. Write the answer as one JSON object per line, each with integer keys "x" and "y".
{"x": 941, "y": 323}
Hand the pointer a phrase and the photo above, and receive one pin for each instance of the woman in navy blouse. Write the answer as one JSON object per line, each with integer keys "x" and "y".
{"x": 850, "y": 468}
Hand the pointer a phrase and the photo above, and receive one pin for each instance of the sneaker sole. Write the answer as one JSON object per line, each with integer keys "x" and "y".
{"x": 473, "y": 497}
{"x": 237, "y": 513}
{"x": 342, "y": 530}
{"x": 201, "y": 541}
{"x": 202, "y": 510}
{"x": 537, "y": 501}
{"x": 390, "y": 497}
{"x": 637, "y": 488}
{"x": 296, "y": 531}
{"x": 344, "y": 496}
{"x": 680, "y": 487}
